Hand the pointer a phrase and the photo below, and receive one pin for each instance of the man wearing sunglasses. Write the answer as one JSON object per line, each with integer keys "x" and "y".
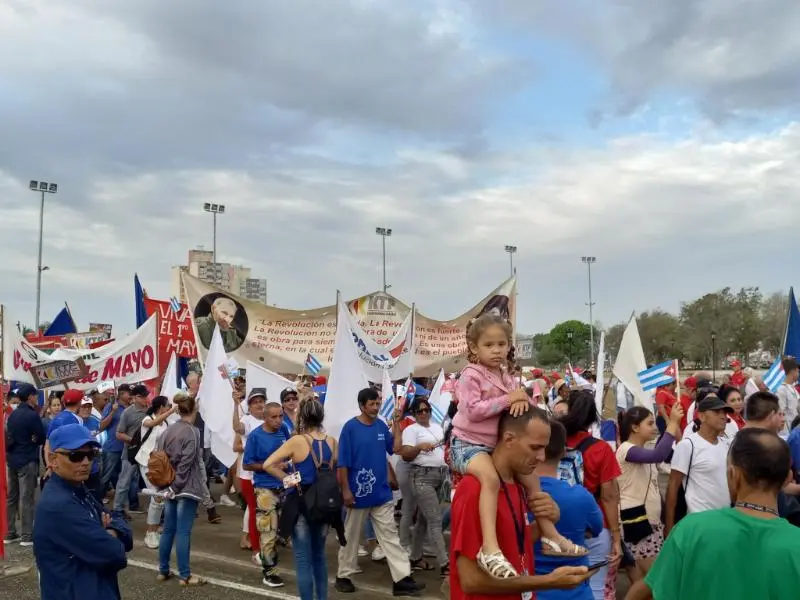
{"x": 79, "y": 547}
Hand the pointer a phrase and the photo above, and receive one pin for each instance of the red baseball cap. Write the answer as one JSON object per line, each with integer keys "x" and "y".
{"x": 736, "y": 363}
{"x": 72, "y": 396}
{"x": 537, "y": 374}
{"x": 690, "y": 383}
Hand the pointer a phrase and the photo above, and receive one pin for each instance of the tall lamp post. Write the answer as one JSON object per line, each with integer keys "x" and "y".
{"x": 512, "y": 250}
{"x": 45, "y": 188}
{"x": 589, "y": 261}
{"x": 214, "y": 209}
{"x": 384, "y": 232}
{"x": 713, "y": 356}
{"x": 570, "y": 333}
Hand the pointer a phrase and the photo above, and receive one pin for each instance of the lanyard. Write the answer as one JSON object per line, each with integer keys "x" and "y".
{"x": 519, "y": 526}
{"x": 757, "y": 507}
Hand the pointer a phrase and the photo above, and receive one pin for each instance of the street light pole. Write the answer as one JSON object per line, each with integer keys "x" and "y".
{"x": 44, "y": 188}
{"x": 588, "y": 261}
{"x": 569, "y": 337}
{"x": 512, "y": 250}
{"x": 214, "y": 209}
{"x": 384, "y": 232}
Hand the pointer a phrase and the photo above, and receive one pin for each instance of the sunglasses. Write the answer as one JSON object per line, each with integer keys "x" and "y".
{"x": 423, "y": 411}
{"x": 77, "y": 456}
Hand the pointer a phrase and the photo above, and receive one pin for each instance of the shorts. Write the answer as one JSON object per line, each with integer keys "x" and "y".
{"x": 462, "y": 452}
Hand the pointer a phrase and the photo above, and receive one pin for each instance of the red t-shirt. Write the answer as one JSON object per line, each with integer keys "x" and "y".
{"x": 738, "y": 379}
{"x": 466, "y": 538}
{"x": 664, "y": 398}
{"x": 686, "y": 402}
{"x": 599, "y": 465}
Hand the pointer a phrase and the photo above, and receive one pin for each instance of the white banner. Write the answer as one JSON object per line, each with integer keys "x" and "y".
{"x": 274, "y": 384}
{"x": 129, "y": 360}
{"x": 396, "y": 357}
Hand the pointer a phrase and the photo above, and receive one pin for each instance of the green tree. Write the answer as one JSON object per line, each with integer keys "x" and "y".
{"x": 614, "y": 339}
{"x": 575, "y": 349}
{"x": 773, "y": 322}
{"x": 660, "y": 334}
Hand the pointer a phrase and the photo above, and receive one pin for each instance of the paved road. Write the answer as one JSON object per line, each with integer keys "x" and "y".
{"x": 216, "y": 556}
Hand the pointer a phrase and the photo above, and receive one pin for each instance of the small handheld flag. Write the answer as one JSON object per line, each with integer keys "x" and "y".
{"x": 775, "y": 376}
{"x": 175, "y": 304}
{"x": 387, "y": 406}
{"x": 656, "y": 376}
{"x": 313, "y": 365}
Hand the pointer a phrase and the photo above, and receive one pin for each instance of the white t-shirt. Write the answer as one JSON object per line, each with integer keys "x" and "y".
{"x": 432, "y": 434}
{"x": 250, "y": 423}
{"x": 150, "y": 443}
{"x": 707, "y": 485}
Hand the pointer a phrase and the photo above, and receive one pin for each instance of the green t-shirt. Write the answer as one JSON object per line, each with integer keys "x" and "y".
{"x": 727, "y": 555}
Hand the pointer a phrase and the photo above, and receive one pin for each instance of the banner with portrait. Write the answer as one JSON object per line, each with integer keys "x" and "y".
{"x": 280, "y": 339}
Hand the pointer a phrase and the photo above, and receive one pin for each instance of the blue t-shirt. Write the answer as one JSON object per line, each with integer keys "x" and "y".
{"x": 363, "y": 450}
{"x": 287, "y": 424}
{"x": 794, "y": 446}
{"x": 579, "y": 514}
{"x": 112, "y": 444}
{"x": 260, "y": 444}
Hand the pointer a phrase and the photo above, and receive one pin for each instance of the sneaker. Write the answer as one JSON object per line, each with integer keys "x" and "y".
{"x": 378, "y": 554}
{"x": 225, "y": 500}
{"x": 26, "y": 542}
{"x": 136, "y": 511}
{"x": 344, "y": 585}
{"x": 407, "y": 587}
{"x": 273, "y": 581}
{"x": 362, "y": 550}
{"x": 151, "y": 539}
{"x": 11, "y": 538}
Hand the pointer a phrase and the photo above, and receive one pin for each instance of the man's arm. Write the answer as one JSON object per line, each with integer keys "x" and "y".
{"x": 609, "y": 499}
{"x": 106, "y": 421}
{"x": 477, "y": 581}
{"x": 671, "y": 501}
{"x": 121, "y": 427}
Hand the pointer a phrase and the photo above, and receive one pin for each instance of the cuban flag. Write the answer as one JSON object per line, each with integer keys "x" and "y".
{"x": 387, "y": 406}
{"x": 175, "y": 304}
{"x": 656, "y": 376}
{"x": 775, "y": 376}
{"x": 313, "y": 365}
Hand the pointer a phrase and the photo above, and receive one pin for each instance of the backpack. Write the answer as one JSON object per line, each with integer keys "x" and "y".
{"x": 570, "y": 469}
{"x": 323, "y": 499}
{"x": 136, "y": 444}
{"x": 160, "y": 471}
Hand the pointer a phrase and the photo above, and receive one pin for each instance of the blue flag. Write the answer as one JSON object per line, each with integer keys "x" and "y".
{"x": 62, "y": 324}
{"x": 791, "y": 340}
{"x": 139, "y": 295}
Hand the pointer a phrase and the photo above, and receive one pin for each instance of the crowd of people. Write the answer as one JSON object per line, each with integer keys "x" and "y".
{"x": 523, "y": 476}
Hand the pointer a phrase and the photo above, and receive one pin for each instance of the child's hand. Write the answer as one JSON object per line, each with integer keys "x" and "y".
{"x": 518, "y": 396}
{"x": 519, "y": 407}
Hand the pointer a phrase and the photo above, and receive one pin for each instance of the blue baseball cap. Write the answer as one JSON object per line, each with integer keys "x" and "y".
{"x": 71, "y": 437}
{"x": 25, "y": 391}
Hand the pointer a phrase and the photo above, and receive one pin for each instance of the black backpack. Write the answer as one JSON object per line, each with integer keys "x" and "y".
{"x": 323, "y": 499}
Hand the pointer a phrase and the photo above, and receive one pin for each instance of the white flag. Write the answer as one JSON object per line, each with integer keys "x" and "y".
{"x": 169, "y": 385}
{"x": 346, "y": 379}
{"x": 630, "y": 362}
{"x": 216, "y": 403}
{"x": 599, "y": 376}
{"x": 440, "y": 403}
{"x": 259, "y": 377}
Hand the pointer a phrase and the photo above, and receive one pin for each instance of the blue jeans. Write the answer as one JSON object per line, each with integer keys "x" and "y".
{"x": 127, "y": 487}
{"x": 308, "y": 544}
{"x": 178, "y": 520}
{"x": 111, "y": 467}
{"x": 599, "y": 548}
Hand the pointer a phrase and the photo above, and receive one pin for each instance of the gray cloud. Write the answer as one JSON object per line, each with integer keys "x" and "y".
{"x": 316, "y": 125}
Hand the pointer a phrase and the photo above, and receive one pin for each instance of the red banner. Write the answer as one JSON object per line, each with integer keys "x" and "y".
{"x": 175, "y": 333}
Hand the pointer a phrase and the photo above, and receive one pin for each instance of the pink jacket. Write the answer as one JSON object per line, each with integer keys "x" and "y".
{"x": 482, "y": 396}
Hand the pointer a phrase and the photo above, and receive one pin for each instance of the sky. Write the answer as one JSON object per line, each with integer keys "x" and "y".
{"x": 662, "y": 138}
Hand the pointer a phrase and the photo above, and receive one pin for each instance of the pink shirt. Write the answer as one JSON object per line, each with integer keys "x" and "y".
{"x": 482, "y": 395}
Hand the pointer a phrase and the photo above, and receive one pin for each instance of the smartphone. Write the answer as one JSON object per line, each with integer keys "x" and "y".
{"x": 599, "y": 565}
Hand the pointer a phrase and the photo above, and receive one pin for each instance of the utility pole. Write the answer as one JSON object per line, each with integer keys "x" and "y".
{"x": 384, "y": 232}
{"x": 45, "y": 188}
{"x": 589, "y": 261}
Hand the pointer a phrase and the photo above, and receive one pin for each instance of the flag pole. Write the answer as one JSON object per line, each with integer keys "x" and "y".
{"x": 677, "y": 381}
{"x": 782, "y": 349}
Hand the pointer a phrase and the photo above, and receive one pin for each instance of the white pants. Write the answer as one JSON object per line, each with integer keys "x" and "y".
{"x": 385, "y": 530}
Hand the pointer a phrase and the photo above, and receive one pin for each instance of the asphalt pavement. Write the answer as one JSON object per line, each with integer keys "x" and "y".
{"x": 217, "y": 558}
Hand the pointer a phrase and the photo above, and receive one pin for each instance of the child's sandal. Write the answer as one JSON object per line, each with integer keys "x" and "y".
{"x": 552, "y": 548}
{"x": 496, "y": 565}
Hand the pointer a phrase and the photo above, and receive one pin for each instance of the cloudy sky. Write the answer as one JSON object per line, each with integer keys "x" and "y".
{"x": 660, "y": 137}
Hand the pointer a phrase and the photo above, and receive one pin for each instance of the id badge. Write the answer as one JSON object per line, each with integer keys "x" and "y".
{"x": 526, "y": 595}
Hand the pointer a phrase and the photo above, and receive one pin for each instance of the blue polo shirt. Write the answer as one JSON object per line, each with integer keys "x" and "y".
{"x": 25, "y": 435}
{"x": 112, "y": 444}
{"x": 260, "y": 445}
